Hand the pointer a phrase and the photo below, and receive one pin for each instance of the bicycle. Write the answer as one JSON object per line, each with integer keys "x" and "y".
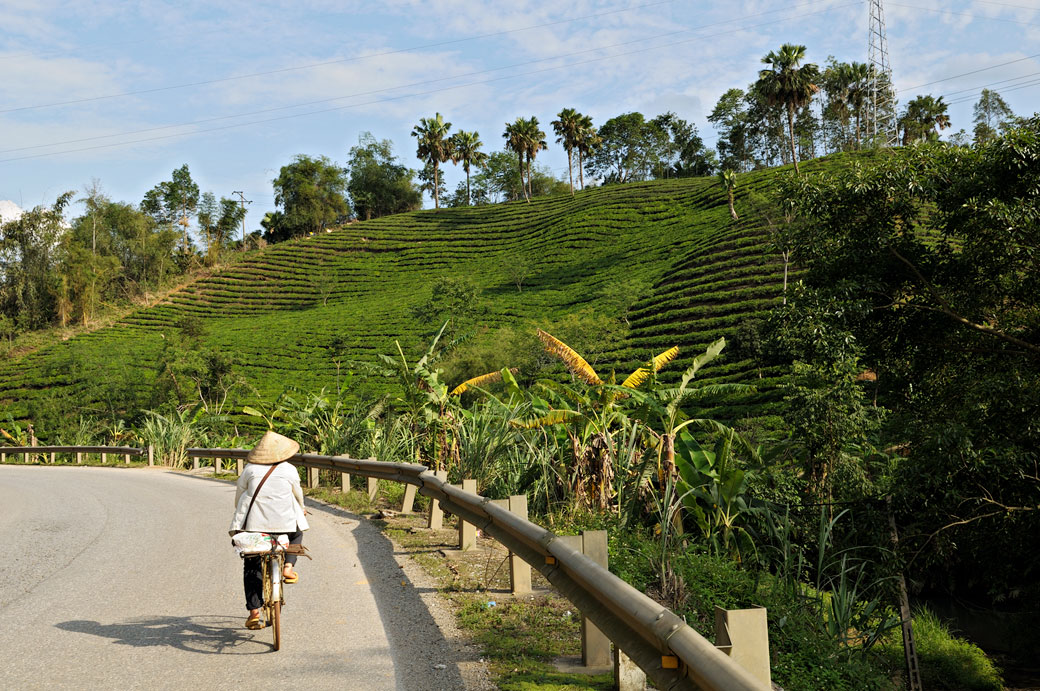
{"x": 272, "y": 565}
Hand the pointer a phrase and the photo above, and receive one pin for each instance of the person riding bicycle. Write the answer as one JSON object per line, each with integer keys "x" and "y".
{"x": 277, "y": 508}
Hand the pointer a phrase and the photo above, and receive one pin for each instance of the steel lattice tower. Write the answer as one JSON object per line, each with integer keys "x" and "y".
{"x": 881, "y": 110}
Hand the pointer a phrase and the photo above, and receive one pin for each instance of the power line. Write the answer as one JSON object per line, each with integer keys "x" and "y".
{"x": 337, "y": 61}
{"x": 965, "y": 74}
{"x": 964, "y": 14}
{"x": 385, "y": 100}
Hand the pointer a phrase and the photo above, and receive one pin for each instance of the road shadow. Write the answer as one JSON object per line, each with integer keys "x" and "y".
{"x": 421, "y": 653}
{"x": 206, "y": 635}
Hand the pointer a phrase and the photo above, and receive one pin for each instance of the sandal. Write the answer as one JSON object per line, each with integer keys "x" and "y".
{"x": 253, "y": 622}
{"x": 291, "y": 578}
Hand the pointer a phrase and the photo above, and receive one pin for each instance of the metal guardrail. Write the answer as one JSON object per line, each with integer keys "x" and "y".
{"x": 650, "y": 634}
{"x": 114, "y": 450}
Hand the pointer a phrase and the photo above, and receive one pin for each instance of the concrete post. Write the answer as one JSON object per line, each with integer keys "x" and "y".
{"x": 312, "y": 477}
{"x": 126, "y": 458}
{"x": 195, "y": 463}
{"x": 373, "y": 488}
{"x": 627, "y": 675}
{"x": 104, "y": 458}
{"x": 595, "y": 646}
{"x": 409, "y": 498}
{"x": 519, "y": 570}
{"x": 79, "y": 457}
{"x": 436, "y": 521}
{"x": 743, "y": 634}
{"x": 216, "y": 466}
{"x": 151, "y": 455}
{"x": 239, "y": 463}
{"x": 3, "y": 458}
{"x": 52, "y": 456}
{"x": 344, "y": 482}
{"x": 467, "y": 531}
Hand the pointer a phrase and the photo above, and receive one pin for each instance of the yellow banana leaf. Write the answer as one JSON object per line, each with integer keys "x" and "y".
{"x": 641, "y": 374}
{"x": 480, "y": 381}
{"x": 575, "y": 363}
{"x": 554, "y": 417}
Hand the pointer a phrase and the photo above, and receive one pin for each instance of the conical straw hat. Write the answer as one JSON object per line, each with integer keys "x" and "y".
{"x": 272, "y": 448}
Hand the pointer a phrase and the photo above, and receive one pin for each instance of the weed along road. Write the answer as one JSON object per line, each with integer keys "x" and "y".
{"x": 117, "y": 578}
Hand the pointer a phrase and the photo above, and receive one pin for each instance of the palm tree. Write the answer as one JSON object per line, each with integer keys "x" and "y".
{"x": 534, "y": 141}
{"x": 729, "y": 180}
{"x": 588, "y": 141}
{"x": 517, "y": 143}
{"x": 786, "y": 84}
{"x": 568, "y": 130}
{"x": 465, "y": 149}
{"x": 857, "y": 76}
{"x": 923, "y": 118}
{"x": 434, "y": 147}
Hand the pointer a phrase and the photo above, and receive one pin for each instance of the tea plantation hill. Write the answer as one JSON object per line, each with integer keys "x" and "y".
{"x": 272, "y": 315}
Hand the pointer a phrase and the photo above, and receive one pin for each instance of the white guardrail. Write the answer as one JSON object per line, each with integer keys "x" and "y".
{"x": 671, "y": 653}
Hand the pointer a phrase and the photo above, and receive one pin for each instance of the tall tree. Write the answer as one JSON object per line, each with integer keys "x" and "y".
{"x": 534, "y": 141}
{"x": 683, "y": 152}
{"x": 923, "y": 119}
{"x": 788, "y": 85}
{"x": 991, "y": 113}
{"x": 378, "y": 184}
{"x": 516, "y": 141}
{"x": 588, "y": 142}
{"x": 567, "y": 127}
{"x": 28, "y": 254}
{"x": 311, "y": 193}
{"x": 173, "y": 201}
{"x": 729, "y": 118}
{"x": 465, "y": 149}
{"x": 433, "y": 147}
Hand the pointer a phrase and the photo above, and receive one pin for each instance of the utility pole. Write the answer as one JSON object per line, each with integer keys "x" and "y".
{"x": 881, "y": 125}
{"x": 242, "y": 200}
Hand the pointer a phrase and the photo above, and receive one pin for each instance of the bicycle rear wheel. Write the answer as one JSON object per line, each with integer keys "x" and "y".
{"x": 276, "y": 622}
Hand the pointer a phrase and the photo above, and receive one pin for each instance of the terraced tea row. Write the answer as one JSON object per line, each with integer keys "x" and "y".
{"x": 275, "y": 313}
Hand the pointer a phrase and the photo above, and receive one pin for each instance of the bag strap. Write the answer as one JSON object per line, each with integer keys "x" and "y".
{"x": 245, "y": 520}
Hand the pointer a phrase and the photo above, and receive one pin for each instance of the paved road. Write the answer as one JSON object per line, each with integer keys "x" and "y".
{"x": 116, "y": 578}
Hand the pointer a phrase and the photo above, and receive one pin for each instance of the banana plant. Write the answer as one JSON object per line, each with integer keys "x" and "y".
{"x": 713, "y": 487}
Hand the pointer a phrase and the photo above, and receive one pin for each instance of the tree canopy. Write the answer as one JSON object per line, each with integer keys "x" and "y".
{"x": 311, "y": 193}
{"x": 378, "y": 184}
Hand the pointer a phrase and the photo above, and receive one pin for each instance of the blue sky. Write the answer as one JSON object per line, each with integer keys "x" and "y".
{"x": 111, "y": 90}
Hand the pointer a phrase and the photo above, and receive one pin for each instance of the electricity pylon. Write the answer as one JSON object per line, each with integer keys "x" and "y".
{"x": 881, "y": 111}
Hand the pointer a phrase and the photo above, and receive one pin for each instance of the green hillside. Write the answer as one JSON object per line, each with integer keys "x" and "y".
{"x": 276, "y": 312}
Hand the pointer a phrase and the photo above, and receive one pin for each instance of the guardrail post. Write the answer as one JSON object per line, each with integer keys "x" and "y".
{"x": 239, "y": 463}
{"x": 627, "y": 674}
{"x": 104, "y": 458}
{"x": 436, "y": 521}
{"x": 743, "y": 634}
{"x": 312, "y": 477}
{"x": 126, "y": 458}
{"x": 3, "y": 458}
{"x": 519, "y": 570}
{"x": 409, "y": 498}
{"x": 467, "y": 531}
{"x": 344, "y": 482}
{"x": 151, "y": 455}
{"x": 52, "y": 456}
{"x": 595, "y": 646}
{"x": 373, "y": 488}
{"x": 195, "y": 463}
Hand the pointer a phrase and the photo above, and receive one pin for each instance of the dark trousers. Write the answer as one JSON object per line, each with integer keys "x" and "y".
{"x": 253, "y": 574}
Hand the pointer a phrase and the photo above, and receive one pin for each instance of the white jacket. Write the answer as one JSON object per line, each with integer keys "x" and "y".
{"x": 279, "y": 506}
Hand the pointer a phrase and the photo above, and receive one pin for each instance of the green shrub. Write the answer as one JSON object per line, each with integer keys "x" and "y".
{"x": 946, "y": 661}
